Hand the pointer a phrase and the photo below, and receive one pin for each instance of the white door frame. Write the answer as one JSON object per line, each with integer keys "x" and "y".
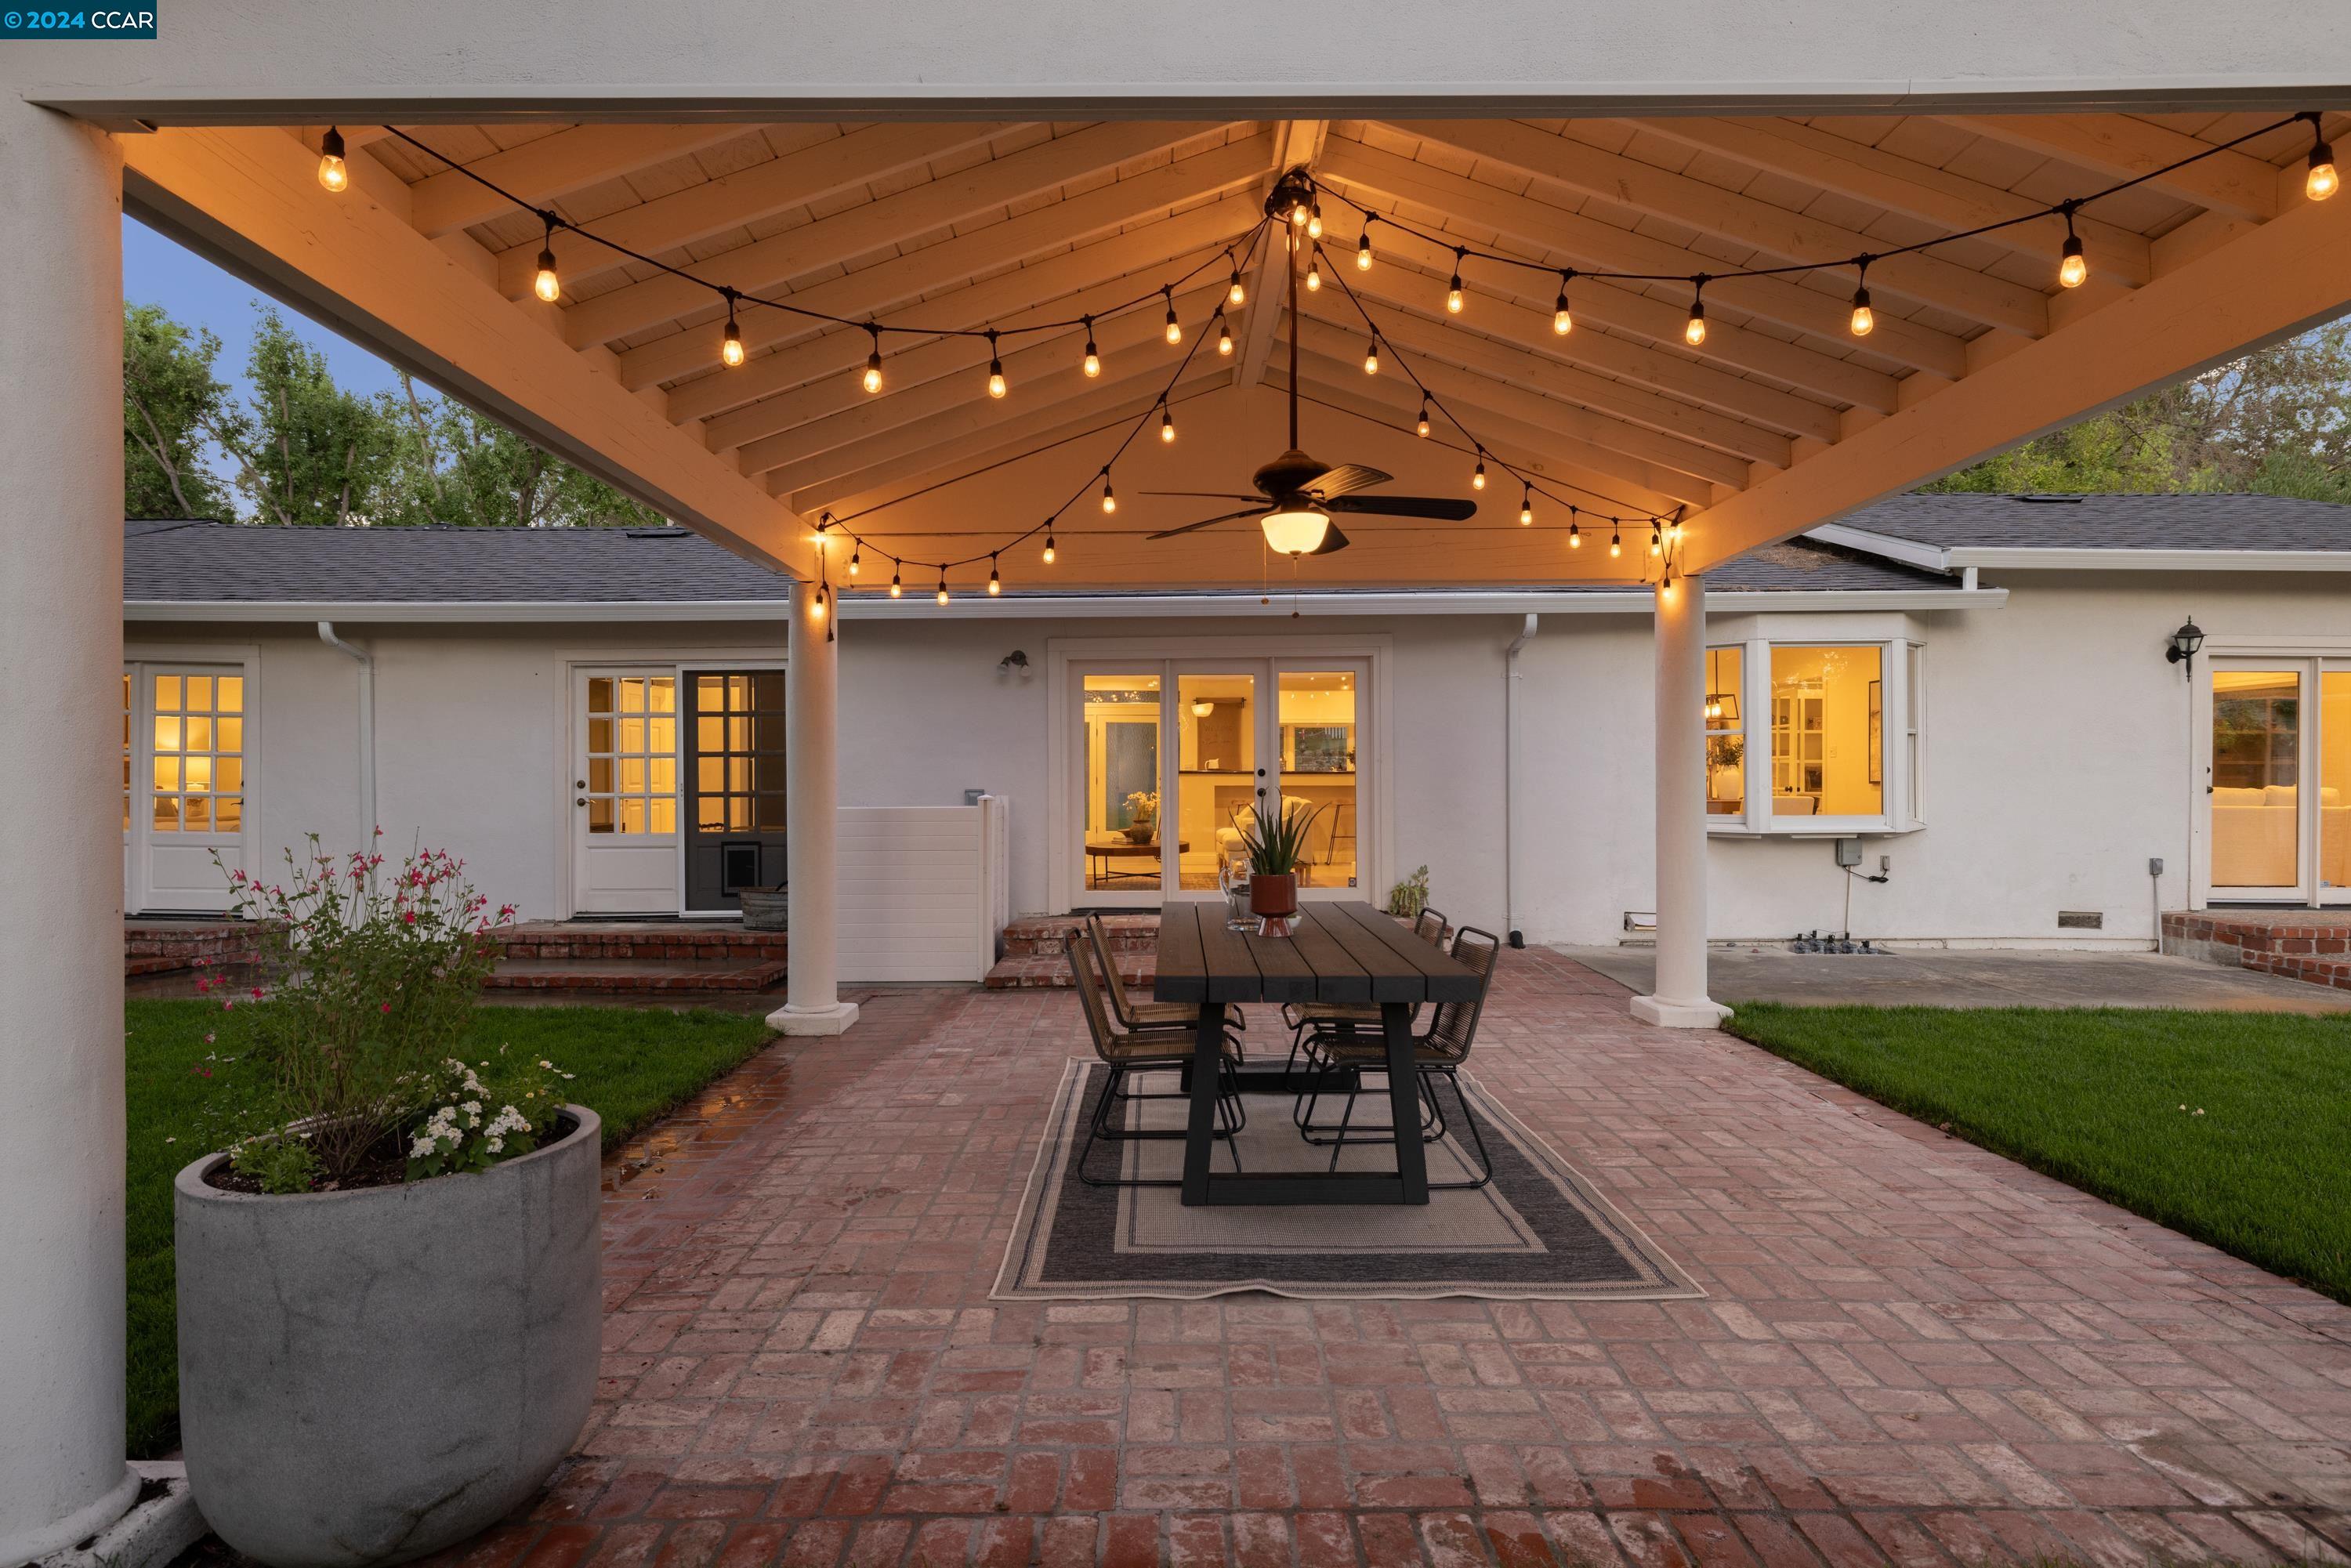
{"x": 140, "y": 661}
{"x": 574, "y": 763}
{"x": 2309, "y": 659}
{"x": 1374, "y": 811}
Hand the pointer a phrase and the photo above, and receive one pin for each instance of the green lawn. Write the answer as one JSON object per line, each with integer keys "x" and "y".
{"x": 632, "y": 1064}
{"x": 2093, "y": 1097}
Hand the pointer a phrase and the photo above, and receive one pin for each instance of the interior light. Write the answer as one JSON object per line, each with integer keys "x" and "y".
{"x": 1203, "y": 708}
{"x": 1297, "y": 529}
{"x": 333, "y": 172}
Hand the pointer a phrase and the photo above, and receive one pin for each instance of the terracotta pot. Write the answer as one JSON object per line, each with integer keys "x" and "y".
{"x": 1272, "y": 894}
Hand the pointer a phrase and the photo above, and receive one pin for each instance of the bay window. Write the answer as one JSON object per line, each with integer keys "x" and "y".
{"x": 1811, "y": 736}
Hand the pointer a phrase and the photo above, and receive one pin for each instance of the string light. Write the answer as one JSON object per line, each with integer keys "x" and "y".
{"x": 1574, "y": 533}
{"x": 1615, "y": 542}
{"x": 1236, "y": 295}
{"x": 856, "y": 559}
{"x": 1478, "y": 479}
{"x": 995, "y": 386}
{"x": 1562, "y": 322}
{"x": 1314, "y": 220}
{"x": 1372, "y": 357}
{"x": 1674, "y": 533}
{"x": 1110, "y": 496}
{"x": 1297, "y": 213}
{"x": 1453, "y": 289}
{"x": 730, "y": 348}
{"x": 2320, "y": 184}
{"x": 1167, "y": 425}
{"x": 995, "y": 583}
{"x": 896, "y": 588}
{"x": 1694, "y": 329}
{"x": 2073, "y": 267}
{"x": 816, "y": 607}
{"x": 544, "y": 284}
{"x": 1223, "y": 339}
{"x": 1657, "y": 538}
{"x": 1421, "y": 428}
{"x": 1527, "y": 506}
{"x": 1864, "y": 321}
{"x": 873, "y": 363}
{"x": 333, "y": 172}
{"x": 1364, "y": 245}
{"x": 1174, "y": 328}
{"x": 942, "y": 585}
{"x": 1315, "y": 275}
{"x": 1093, "y": 356}
{"x": 1049, "y": 546}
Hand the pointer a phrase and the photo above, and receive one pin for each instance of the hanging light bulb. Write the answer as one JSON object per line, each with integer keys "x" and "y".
{"x": 2073, "y": 267}
{"x": 995, "y": 583}
{"x": 1224, "y": 340}
{"x": 896, "y": 588}
{"x": 1694, "y": 329}
{"x": 995, "y": 386}
{"x": 1236, "y": 295}
{"x": 1314, "y": 220}
{"x": 1372, "y": 357}
{"x": 1527, "y": 506}
{"x": 1574, "y": 533}
{"x": 1297, "y": 213}
{"x": 816, "y": 607}
{"x": 1674, "y": 533}
{"x": 856, "y": 560}
{"x": 1657, "y": 538}
{"x": 1315, "y": 275}
{"x": 1562, "y": 322}
{"x": 1174, "y": 328}
{"x": 1453, "y": 289}
{"x": 333, "y": 172}
{"x": 1049, "y": 546}
{"x": 1478, "y": 479}
{"x": 730, "y": 347}
{"x": 1166, "y": 425}
{"x": 1864, "y": 321}
{"x": 545, "y": 283}
{"x": 1110, "y": 496}
{"x": 1421, "y": 428}
{"x": 873, "y": 363}
{"x": 1615, "y": 542}
{"x": 942, "y": 585}
{"x": 2321, "y": 182}
{"x": 1093, "y": 356}
{"x": 1364, "y": 245}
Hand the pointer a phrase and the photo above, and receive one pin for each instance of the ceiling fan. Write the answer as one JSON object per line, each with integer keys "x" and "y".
{"x": 1297, "y": 494}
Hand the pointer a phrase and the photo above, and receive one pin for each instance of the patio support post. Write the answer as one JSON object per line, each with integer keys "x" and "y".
{"x": 812, "y": 819}
{"x": 62, "y": 1472}
{"x": 1679, "y": 1000}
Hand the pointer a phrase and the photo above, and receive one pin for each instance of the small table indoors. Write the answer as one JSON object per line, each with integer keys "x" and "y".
{"x": 1338, "y": 952}
{"x": 1107, "y": 849}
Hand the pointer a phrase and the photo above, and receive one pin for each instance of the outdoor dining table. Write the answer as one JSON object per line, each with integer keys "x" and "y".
{"x": 1337, "y": 952}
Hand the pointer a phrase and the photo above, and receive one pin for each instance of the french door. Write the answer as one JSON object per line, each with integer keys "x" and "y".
{"x": 1171, "y": 759}
{"x": 185, "y": 745}
{"x": 626, "y": 851}
{"x": 2278, "y": 781}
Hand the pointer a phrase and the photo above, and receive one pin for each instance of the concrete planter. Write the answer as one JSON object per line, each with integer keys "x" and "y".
{"x": 765, "y": 908}
{"x": 368, "y": 1376}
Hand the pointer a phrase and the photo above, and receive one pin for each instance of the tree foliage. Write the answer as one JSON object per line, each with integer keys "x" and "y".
{"x": 299, "y": 450}
{"x": 2277, "y": 422}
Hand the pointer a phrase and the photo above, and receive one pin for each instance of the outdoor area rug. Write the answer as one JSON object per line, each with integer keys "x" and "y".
{"x": 1539, "y": 1230}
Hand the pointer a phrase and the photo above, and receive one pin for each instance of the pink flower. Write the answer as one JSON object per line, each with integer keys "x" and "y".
{"x": 385, "y": 1008}
{"x": 256, "y": 993}
{"x": 409, "y": 917}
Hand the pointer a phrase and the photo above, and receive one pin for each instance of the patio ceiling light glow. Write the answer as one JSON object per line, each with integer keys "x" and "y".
{"x": 1526, "y": 506}
{"x": 1562, "y": 322}
{"x": 1223, "y": 339}
{"x": 1093, "y": 356}
{"x": 1574, "y": 533}
{"x": 1236, "y": 295}
{"x": 1372, "y": 359}
{"x": 994, "y": 368}
{"x": 1694, "y": 329}
{"x": 333, "y": 172}
{"x": 1110, "y": 496}
{"x": 1864, "y": 319}
{"x": 1174, "y": 328}
{"x": 2321, "y": 182}
{"x": 1364, "y": 245}
{"x": 1049, "y": 548}
{"x": 1167, "y": 425}
{"x": 1478, "y": 478}
{"x": 1421, "y": 428}
{"x": 730, "y": 348}
{"x": 1295, "y": 529}
{"x": 1315, "y": 275}
{"x": 896, "y": 586}
{"x": 2073, "y": 267}
{"x": 873, "y": 363}
{"x": 1453, "y": 289}
{"x": 995, "y": 583}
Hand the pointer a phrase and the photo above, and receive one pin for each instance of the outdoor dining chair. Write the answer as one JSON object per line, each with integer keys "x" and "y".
{"x": 1342, "y": 1053}
{"x": 1132, "y": 1014}
{"x": 1127, "y": 1051}
{"x": 1429, "y": 925}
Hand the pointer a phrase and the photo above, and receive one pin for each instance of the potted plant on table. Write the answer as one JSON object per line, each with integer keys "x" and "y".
{"x": 389, "y": 1281}
{"x": 1142, "y": 816}
{"x": 1276, "y": 851}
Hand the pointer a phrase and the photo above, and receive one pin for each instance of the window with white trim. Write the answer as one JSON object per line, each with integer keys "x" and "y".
{"x": 1811, "y": 736}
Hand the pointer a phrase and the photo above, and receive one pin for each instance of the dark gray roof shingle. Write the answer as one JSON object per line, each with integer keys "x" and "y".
{"x": 2110, "y": 522}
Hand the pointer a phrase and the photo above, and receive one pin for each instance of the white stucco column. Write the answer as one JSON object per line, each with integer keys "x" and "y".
{"x": 62, "y": 1475}
{"x": 1679, "y": 998}
{"x": 812, "y": 814}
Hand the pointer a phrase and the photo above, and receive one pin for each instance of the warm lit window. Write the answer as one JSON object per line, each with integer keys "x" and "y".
{"x": 1828, "y": 732}
{"x": 198, "y": 783}
{"x": 1725, "y": 734}
{"x": 632, "y": 754}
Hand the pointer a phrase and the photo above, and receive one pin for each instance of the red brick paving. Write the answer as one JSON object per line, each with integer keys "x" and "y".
{"x": 1913, "y": 1350}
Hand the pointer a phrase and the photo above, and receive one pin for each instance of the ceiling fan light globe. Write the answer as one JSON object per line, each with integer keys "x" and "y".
{"x": 1295, "y": 529}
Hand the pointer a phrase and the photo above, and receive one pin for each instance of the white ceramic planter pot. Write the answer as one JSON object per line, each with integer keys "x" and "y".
{"x": 368, "y": 1376}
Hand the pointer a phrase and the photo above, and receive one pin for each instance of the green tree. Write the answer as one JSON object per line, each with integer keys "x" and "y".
{"x": 171, "y": 403}
{"x": 305, "y": 451}
{"x": 460, "y": 469}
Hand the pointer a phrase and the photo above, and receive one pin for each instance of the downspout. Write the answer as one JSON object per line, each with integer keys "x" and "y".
{"x": 367, "y": 728}
{"x": 1510, "y": 779}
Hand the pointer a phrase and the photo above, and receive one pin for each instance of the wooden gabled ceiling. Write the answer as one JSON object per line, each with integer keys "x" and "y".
{"x": 970, "y": 225}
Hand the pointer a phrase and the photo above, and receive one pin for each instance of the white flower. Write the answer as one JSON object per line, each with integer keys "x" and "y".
{"x": 472, "y": 1107}
{"x": 497, "y": 1144}
{"x": 549, "y": 1065}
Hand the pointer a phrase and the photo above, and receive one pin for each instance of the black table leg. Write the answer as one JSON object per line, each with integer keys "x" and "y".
{"x": 1403, "y": 1101}
{"x": 1200, "y": 1132}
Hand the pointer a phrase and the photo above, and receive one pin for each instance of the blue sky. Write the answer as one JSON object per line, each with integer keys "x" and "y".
{"x": 157, "y": 271}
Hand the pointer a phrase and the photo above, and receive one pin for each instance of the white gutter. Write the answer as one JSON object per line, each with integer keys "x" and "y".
{"x": 1909, "y": 552}
{"x": 368, "y": 823}
{"x": 454, "y": 610}
{"x": 1967, "y": 559}
{"x": 1511, "y": 678}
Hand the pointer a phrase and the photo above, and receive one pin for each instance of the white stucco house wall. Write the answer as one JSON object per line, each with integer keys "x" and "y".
{"x": 1972, "y": 693}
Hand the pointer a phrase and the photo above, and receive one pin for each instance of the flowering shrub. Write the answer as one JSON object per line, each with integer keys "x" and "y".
{"x": 471, "y": 1127}
{"x": 367, "y": 978}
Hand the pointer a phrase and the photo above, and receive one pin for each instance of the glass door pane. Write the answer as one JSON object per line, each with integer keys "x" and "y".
{"x": 2334, "y": 785}
{"x": 1216, "y": 770}
{"x": 632, "y": 787}
{"x": 2256, "y": 767}
{"x": 1121, "y": 848}
{"x": 1318, "y": 716}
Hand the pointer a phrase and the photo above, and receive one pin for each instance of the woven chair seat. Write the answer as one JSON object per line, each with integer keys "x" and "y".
{"x": 1163, "y": 1015}
{"x": 1341, "y": 1051}
{"x": 1154, "y": 1045}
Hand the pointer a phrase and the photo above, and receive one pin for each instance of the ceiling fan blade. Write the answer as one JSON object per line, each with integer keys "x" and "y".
{"x": 1443, "y": 508}
{"x": 1345, "y": 478}
{"x": 1333, "y": 541}
{"x": 1204, "y": 494}
{"x": 1208, "y": 523}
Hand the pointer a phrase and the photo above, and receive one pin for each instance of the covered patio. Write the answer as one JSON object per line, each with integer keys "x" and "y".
{"x": 1691, "y": 310}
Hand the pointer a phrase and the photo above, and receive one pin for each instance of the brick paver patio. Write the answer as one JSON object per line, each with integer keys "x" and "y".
{"x": 1912, "y": 1350}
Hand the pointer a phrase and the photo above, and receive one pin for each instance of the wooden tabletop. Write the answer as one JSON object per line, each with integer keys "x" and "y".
{"x": 1338, "y": 952}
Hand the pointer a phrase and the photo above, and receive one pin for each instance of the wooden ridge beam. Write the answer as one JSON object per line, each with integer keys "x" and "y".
{"x": 2116, "y": 145}
{"x": 2271, "y": 282}
{"x": 1546, "y": 230}
{"x": 902, "y": 279}
{"x": 806, "y": 177}
{"x": 250, "y": 197}
{"x": 1297, "y": 141}
{"x": 554, "y": 166}
{"x": 772, "y": 263}
{"x": 1847, "y": 168}
{"x": 1743, "y": 220}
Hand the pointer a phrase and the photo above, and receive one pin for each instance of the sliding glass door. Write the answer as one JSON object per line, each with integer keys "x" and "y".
{"x": 2278, "y": 794}
{"x": 1173, "y": 760}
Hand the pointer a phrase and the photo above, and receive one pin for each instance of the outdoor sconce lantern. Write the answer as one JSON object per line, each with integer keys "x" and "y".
{"x": 2184, "y": 644}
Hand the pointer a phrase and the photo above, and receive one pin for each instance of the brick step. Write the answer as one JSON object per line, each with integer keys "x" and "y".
{"x": 1039, "y": 935}
{"x": 611, "y": 975}
{"x": 167, "y": 946}
{"x": 2310, "y": 945}
{"x": 1035, "y": 971}
{"x": 644, "y": 941}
